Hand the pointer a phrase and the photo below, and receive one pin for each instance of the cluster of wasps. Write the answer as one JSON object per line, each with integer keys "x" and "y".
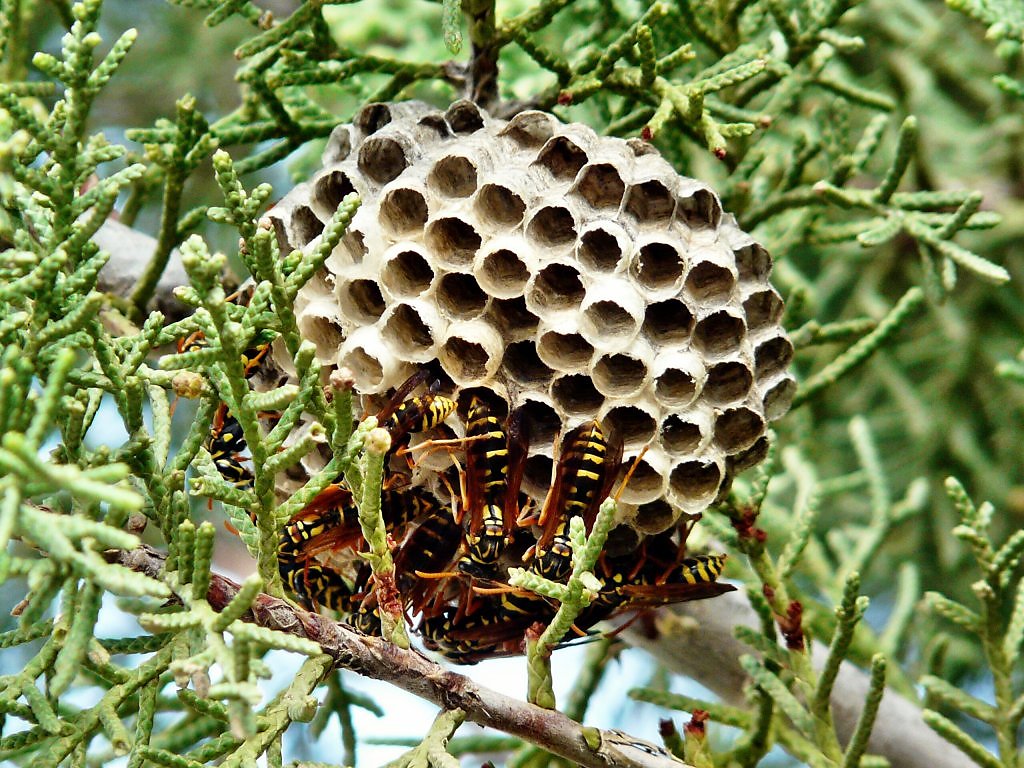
{"x": 451, "y": 563}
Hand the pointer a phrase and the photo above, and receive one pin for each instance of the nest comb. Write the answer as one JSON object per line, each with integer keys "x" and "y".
{"x": 571, "y": 275}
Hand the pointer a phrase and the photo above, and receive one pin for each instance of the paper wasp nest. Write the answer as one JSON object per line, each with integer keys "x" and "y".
{"x": 569, "y": 274}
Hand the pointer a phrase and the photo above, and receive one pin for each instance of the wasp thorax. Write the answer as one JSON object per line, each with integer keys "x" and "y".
{"x": 577, "y": 275}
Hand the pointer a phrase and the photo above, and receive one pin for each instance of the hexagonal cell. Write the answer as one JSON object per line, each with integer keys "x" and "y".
{"x": 339, "y": 144}
{"x": 460, "y": 296}
{"x": 498, "y": 206}
{"x": 654, "y": 517}
{"x": 564, "y": 351}
{"x": 777, "y": 399}
{"x": 323, "y": 332}
{"x": 632, "y": 424}
{"x": 500, "y": 270}
{"x": 612, "y": 313}
{"x": 373, "y": 117}
{"x": 403, "y": 212}
{"x": 667, "y": 323}
{"x": 409, "y": 330}
{"x": 552, "y": 225}
{"x": 678, "y": 378}
{"x": 331, "y": 188}
{"x": 709, "y": 283}
{"x": 763, "y": 309}
{"x": 364, "y": 354}
{"x": 719, "y": 333}
{"x": 542, "y": 421}
{"x": 650, "y": 202}
{"x": 464, "y": 117}
{"x": 748, "y": 458}
{"x": 753, "y": 263}
{"x": 601, "y": 247}
{"x": 361, "y": 302}
{"x": 601, "y": 185}
{"x": 354, "y": 244}
{"x": 406, "y": 271}
{"x": 728, "y": 382}
{"x": 575, "y": 394}
{"x": 646, "y": 483}
{"x": 737, "y": 429}
{"x": 557, "y": 287}
{"x": 470, "y": 357}
{"x": 622, "y": 540}
{"x": 537, "y": 476}
{"x": 453, "y": 241}
{"x": 695, "y": 482}
{"x": 697, "y": 205}
{"x": 529, "y": 129}
{"x": 525, "y": 366}
{"x": 772, "y": 356}
{"x": 658, "y": 267}
{"x": 453, "y": 176}
{"x": 512, "y": 319}
{"x": 620, "y": 374}
{"x": 562, "y": 157}
{"x": 683, "y": 435}
{"x": 383, "y": 158}
{"x": 306, "y": 225}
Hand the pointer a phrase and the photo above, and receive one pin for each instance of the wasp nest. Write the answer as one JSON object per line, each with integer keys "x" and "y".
{"x": 571, "y": 275}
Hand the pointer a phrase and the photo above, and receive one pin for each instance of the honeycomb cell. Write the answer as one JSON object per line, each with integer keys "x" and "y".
{"x": 654, "y": 517}
{"x": 557, "y": 287}
{"x": 542, "y": 421}
{"x": 552, "y": 225}
{"x": 364, "y": 355}
{"x": 772, "y": 357}
{"x": 657, "y": 267}
{"x": 622, "y": 540}
{"x": 403, "y": 212}
{"x": 322, "y": 331}
{"x": 459, "y": 296}
{"x": 361, "y": 301}
{"x": 382, "y": 158}
{"x": 601, "y": 186}
{"x": 306, "y": 225}
{"x": 695, "y": 483}
{"x": 650, "y": 202}
{"x": 678, "y": 378}
{"x": 763, "y": 309}
{"x": 697, "y": 206}
{"x": 409, "y": 328}
{"x": 575, "y": 394}
{"x": 635, "y": 425}
{"x": 647, "y": 482}
{"x": 471, "y": 353}
{"x": 453, "y": 176}
{"x": 562, "y": 157}
{"x": 601, "y": 247}
{"x": 750, "y": 457}
{"x": 339, "y": 145}
{"x": 709, "y": 283}
{"x": 499, "y": 206}
{"x": 453, "y": 240}
{"x": 406, "y": 272}
{"x": 753, "y": 263}
{"x": 331, "y": 188}
{"x": 525, "y": 365}
{"x": 667, "y": 323}
{"x": 719, "y": 333}
{"x": 512, "y": 318}
{"x": 373, "y": 117}
{"x": 354, "y": 244}
{"x": 464, "y": 117}
{"x": 777, "y": 399}
{"x": 565, "y": 351}
{"x": 612, "y": 313}
{"x": 529, "y": 129}
{"x": 728, "y": 382}
{"x": 685, "y": 435}
{"x": 537, "y": 475}
{"x": 502, "y": 272}
{"x": 620, "y": 374}
{"x": 737, "y": 429}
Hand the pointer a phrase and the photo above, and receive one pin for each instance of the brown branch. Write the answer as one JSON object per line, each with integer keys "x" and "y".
{"x": 413, "y": 672}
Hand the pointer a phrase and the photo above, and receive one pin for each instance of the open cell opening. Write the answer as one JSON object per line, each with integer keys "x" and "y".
{"x": 354, "y": 244}
{"x": 552, "y": 225}
{"x": 562, "y": 157}
{"x": 306, "y": 225}
{"x": 657, "y": 266}
{"x": 772, "y": 356}
{"x": 407, "y": 274}
{"x": 655, "y": 516}
{"x": 529, "y": 129}
{"x": 777, "y": 399}
{"x": 464, "y": 117}
{"x": 619, "y": 374}
{"x": 753, "y": 263}
{"x": 599, "y": 250}
{"x": 382, "y": 159}
{"x": 363, "y": 302}
{"x": 465, "y": 360}
{"x": 406, "y": 331}
{"x": 668, "y": 322}
{"x": 749, "y": 457}
{"x": 675, "y": 387}
{"x": 453, "y": 176}
{"x": 512, "y": 318}
{"x": 499, "y": 206}
{"x": 632, "y": 425}
{"x": 557, "y": 287}
{"x": 601, "y": 186}
{"x": 373, "y": 117}
{"x": 645, "y": 484}
{"x": 650, "y": 202}
{"x": 607, "y": 320}
{"x": 622, "y": 540}
{"x": 524, "y": 364}
{"x": 727, "y": 382}
{"x": 460, "y": 295}
{"x": 537, "y": 475}
{"x": 565, "y": 350}
{"x": 718, "y": 333}
{"x": 737, "y": 428}
{"x": 700, "y": 210}
{"x": 366, "y": 367}
{"x": 453, "y": 240}
{"x": 708, "y": 282}
{"x": 542, "y": 422}
{"x": 496, "y": 404}
{"x": 403, "y": 212}
{"x": 504, "y": 269}
{"x": 680, "y": 436}
{"x": 332, "y": 188}
{"x": 763, "y": 309}
{"x": 695, "y": 479}
{"x": 437, "y": 124}
{"x": 576, "y": 394}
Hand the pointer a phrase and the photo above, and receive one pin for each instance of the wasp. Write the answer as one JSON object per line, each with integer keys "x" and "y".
{"x": 586, "y": 469}
{"x": 404, "y": 415}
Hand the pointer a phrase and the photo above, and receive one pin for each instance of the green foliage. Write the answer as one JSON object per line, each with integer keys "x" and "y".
{"x": 848, "y": 137}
